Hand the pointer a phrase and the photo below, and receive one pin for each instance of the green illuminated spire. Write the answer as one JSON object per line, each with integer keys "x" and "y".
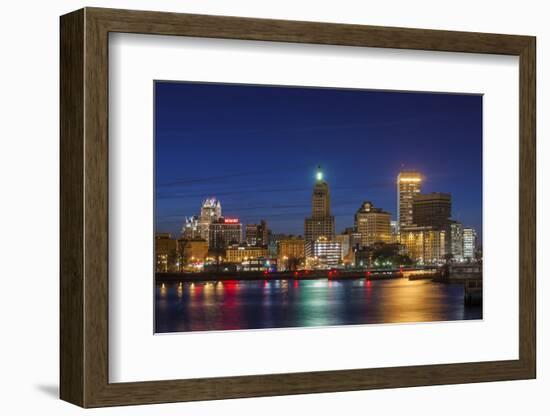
{"x": 319, "y": 175}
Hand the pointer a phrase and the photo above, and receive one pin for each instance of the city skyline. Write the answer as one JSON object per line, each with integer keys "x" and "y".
{"x": 280, "y": 194}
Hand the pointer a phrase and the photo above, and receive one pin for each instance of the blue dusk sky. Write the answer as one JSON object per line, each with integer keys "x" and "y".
{"x": 256, "y": 149}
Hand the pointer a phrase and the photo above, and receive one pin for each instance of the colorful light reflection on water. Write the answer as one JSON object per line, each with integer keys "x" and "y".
{"x": 256, "y": 304}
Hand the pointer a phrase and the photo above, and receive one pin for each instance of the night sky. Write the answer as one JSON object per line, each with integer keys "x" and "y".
{"x": 256, "y": 148}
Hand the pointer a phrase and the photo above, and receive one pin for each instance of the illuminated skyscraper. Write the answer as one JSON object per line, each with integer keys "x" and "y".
{"x": 191, "y": 228}
{"x": 211, "y": 211}
{"x": 409, "y": 184}
{"x": 321, "y": 223}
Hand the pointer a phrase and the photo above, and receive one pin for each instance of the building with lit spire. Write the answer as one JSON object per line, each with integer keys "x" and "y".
{"x": 321, "y": 222}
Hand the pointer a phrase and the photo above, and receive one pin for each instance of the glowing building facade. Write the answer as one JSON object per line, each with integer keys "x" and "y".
{"x": 424, "y": 245}
{"x": 373, "y": 224}
{"x": 409, "y": 184}
{"x": 323, "y": 253}
{"x": 211, "y": 211}
{"x": 165, "y": 253}
{"x": 242, "y": 252}
{"x": 191, "y": 228}
{"x": 223, "y": 232}
{"x": 192, "y": 250}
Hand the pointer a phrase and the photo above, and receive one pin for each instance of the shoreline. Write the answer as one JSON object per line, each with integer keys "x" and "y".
{"x": 301, "y": 275}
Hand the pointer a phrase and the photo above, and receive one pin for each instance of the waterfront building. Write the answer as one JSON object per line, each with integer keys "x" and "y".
{"x": 223, "y": 232}
{"x": 424, "y": 244}
{"x": 381, "y": 255}
{"x": 373, "y": 224}
{"x": 433, "y": 209}
{"x": 321, "y": 222}
{"x": 166, "y": 253}
{"x": 291, "y": 247}
{"x": 409, "y": 184}
{"x": 237, "y": 253}
{"x": 259, "y": 265}
{"x": 469, "y": 237}
{"x": 211, "y": 211}
{"x": 256, "y": 234}
{"x": 192, "y": 251}
{"x": 290, "y": 253}
{"x": 323, "y": 253}
{"x": 456, "y": 230}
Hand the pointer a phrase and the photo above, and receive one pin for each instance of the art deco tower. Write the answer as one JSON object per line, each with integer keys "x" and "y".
{"x": 321, "y": 222}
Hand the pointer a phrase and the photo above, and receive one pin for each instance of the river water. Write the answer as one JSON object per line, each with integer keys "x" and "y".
{"x": 237, "y": 304}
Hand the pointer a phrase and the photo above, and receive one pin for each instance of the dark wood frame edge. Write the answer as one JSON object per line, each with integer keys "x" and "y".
{"x": 84, "y": 207}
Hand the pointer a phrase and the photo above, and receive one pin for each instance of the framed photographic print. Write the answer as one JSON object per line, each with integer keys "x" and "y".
{"x": 257, "y": 207}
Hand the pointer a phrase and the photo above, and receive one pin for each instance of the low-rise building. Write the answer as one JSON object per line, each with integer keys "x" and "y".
{"x": 166, "y": 253}
{"x": 192, "y": 251}
{"x": 241, "y": 252}
{"x": 424, "y": 245}
{"x": 323, "y": 253}
{"x": 290, "y": 253}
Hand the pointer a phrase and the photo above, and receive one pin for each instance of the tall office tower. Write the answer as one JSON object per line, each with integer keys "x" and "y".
{"x": 256, "y": 234}
{"x": 456, "y": 229}
{"x": 321, "y": 223}
{"x": 223, "y": 232}
{"x": 211, "y": 211}
{"x": 409, "y": 183}
{"x": 373, "y": 224}
{"x": 432, "y": 209}
{"x": 469, "y": 243}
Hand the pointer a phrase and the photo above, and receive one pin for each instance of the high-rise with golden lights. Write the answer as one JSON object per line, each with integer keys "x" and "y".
{"x": 321, "y": 222}
{"x": 409, "y": 184}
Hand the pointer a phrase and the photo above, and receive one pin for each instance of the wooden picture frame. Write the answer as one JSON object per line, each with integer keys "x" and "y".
{"x": 84, "y": 207}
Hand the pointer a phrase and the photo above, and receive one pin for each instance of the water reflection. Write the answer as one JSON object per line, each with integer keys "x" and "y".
{"x": 232, "y": 304}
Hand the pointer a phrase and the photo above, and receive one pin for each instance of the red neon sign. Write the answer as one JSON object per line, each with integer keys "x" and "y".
{"x": 231, "y": 220}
